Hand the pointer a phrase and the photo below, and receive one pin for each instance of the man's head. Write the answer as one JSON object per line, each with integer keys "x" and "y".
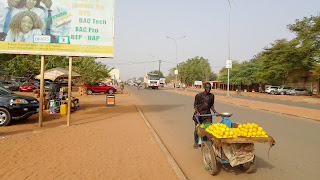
{"x": 207, "y": 87}
{"x": 13, "y": 3}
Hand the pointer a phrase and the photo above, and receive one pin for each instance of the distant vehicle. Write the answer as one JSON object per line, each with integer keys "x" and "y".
{"x": 15, "y": 106}
{"x": 282, "y": 90}
{"x": 100, "y": 87}
{"x": 27, "y": 88}
{"x": 151, "y": 81}
{"x": 272, "y": 89}
{"x": 178, "y": 86}
{"x": 298, "y": 91}
{"x": 34, "y": 82}
{"x": 11, "y": 85}
{"x": 162, "y": 82}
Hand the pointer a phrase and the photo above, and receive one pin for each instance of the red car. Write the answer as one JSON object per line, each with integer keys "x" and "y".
{"x": 27, "y": 88}
{"x": 100, "y": 87}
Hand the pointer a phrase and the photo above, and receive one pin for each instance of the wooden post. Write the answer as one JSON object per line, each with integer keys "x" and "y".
{"x": 69, "y": 91}
{"x": 41, "y": 90}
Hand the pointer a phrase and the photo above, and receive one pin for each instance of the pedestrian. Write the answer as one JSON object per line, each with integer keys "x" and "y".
{"x": 238, "y": 90}
{"x": 122, "y": 87}
{"x": 53, "y": 26}
{"x": 139, "y": 85}
{"x": 203, "y": 103}
{"x": 23, "y": 26}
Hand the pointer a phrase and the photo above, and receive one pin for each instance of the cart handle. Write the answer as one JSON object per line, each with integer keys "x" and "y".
{"x": 205, "y": 115}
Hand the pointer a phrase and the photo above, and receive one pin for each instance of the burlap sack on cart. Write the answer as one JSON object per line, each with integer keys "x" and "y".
{"x": 238, "y": 153}
{"x": 201, "y": 132}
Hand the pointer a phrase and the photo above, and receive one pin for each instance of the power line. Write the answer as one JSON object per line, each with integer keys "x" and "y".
{"x": 130, "y": 63}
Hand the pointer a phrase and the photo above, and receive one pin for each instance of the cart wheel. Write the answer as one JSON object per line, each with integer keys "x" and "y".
{"x": 209, "y": 158}
{"x": 249, "y": 167}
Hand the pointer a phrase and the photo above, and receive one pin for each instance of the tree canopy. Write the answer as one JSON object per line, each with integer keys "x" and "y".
{"x": 195, "y": 69}
{"x": 274, "y": 63}
{"x": 28, "y": 65}
{"x": 157, "y": 72}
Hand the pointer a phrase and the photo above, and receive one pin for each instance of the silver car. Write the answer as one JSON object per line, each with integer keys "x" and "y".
{"x": 298, "y": 91}
{"x": 271, "y": 89}
{"x": 283, "y": 90}
{"x": 11, "y": 85}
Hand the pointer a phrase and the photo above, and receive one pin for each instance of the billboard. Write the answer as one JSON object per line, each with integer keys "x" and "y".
{"x": 57, "y": 27}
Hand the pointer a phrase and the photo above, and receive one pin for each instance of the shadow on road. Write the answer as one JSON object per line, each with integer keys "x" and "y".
{"x": 260, "y": 164}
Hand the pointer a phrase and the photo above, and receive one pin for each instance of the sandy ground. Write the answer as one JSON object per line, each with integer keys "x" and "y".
{"x": 278, "y": 108}
{"x": 101, "y": 143}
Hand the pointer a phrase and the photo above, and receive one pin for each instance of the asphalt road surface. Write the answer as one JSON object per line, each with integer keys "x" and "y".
{"x": 295, "y": 155}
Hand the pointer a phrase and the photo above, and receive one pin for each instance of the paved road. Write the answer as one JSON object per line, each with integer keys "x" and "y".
{"x": 283, "y": 102}
{"x": 295, "y": 156}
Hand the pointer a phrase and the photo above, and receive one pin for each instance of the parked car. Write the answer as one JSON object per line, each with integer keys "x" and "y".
{"x": 11, "y": 85}
{"x": 298, "y": 91}
{"x": 47, "y": 85}
{"x": 100, "y": 87}
{"x": 283, "y": 90}
{"x": 65, "y": 83}
{"x": 27, "y": 88}
{"x": 34, "y": 82}
{"x": 271, "y": 89}
{"x": 15, "y": 106}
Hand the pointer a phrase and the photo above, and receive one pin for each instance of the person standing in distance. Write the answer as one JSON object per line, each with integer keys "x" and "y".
{"x": 203, "y": 104}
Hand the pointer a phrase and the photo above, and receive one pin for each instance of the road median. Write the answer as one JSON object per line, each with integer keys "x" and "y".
{"x": 265, "y": 106}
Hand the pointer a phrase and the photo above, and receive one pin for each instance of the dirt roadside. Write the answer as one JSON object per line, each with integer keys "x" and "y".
{"x": 101, "y": 143}
{"x": 272, "y": 107}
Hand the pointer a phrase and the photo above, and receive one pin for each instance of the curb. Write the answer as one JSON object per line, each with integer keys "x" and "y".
{"x": 179, "y": 173}
{"x": 261, "y": 109}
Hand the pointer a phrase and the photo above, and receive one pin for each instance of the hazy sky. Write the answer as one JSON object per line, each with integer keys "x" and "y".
{"x": 141, "y": 27}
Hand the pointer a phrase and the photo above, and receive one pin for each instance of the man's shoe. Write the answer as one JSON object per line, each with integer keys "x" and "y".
{"x": 196, "y": 146}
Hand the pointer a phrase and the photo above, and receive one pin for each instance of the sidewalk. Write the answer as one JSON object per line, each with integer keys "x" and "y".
{"x": 101, "y": 143}
{"x": 305, "y": 99}
{"x": 272, "y": 107}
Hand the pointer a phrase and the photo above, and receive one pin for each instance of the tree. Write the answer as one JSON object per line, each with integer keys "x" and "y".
{"x": 157, "y": 72}
{"x": 90, "y": 70}
{"x": 278, "y": 60}
{"x": 170, "y": 76}
{"x": 195, "y": 69}
{"x": 22, "y": 65}
{"x": 29, "y": 66}
{"x": 244, "y": 73}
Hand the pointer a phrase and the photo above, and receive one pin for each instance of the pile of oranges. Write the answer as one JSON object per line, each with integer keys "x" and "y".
{"x": 220, "y": 130}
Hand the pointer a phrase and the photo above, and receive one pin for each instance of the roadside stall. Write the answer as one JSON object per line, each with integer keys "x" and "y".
{"x": 57, "y": 97}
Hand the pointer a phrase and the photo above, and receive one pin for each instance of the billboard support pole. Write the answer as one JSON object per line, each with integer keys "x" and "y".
{"x": 69, "y": 91}
{"x": 41, "y": 90}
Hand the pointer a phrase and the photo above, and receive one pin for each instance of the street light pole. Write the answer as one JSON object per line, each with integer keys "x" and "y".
{"x": 229, "y": 56}
{"x": 175, "y": 41}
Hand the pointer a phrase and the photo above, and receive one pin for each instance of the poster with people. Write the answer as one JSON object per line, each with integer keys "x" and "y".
{"x": 57, "y": 27}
